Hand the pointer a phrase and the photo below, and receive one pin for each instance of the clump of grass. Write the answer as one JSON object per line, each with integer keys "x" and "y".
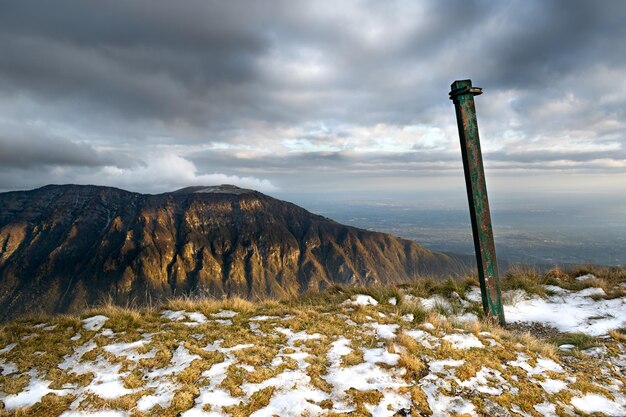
{"x": 619, "y": 335}
{"x": 440, "y": 322}
{"x": 183, "y": 400}
{"x": 50, "y": 405}
{"x": 360, "y": 398}
{"x": 579, "y": 340}
{"x": 330, "y": 296}
{"x": 533, "y": 344}
{"x": 210, "y": 305}
{"x": 607, "y": 278}
{"x": 258, "y": 400}
{"x": 522, "y": 278}
{"x": 355, "y": 357}
{"x": 420, "y": 405}
{"x": 451, "y": 285}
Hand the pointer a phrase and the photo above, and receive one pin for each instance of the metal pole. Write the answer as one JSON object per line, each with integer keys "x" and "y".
{"x": 462, "y": 94}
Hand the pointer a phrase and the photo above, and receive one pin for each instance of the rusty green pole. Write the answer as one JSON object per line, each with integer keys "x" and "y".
{"x": 462, "y": 94}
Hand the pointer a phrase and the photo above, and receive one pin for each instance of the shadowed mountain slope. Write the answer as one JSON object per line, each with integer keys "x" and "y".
{"x": 66, "y": 247}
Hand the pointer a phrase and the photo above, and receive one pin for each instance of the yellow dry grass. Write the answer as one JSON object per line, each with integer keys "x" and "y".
{"x": 321, "y": 313}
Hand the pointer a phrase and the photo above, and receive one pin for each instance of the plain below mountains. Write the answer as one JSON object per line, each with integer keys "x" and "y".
{"x": 66, "y": 247}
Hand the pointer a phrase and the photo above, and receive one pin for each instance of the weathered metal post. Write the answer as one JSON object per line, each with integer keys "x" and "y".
{"x": 462, "y": 94}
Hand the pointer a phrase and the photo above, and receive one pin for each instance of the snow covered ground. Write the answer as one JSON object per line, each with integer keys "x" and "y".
{"x": 571, "y": 311}
{"x": 360, "y": 357}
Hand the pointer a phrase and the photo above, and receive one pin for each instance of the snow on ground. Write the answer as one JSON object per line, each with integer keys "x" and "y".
{"x": 194, "y": 318}
{"x": 361, "y": 300}
{"x": 310, "y": 363}
{"x": 463, "y": 341}
{"x": 159, "y": 380}
{"x": 543, "y": 365}
{"x": 384, "y": 331}
{"x": 107, "y": 413}
{"x": 436, "y": 383}
{"x": 426, "y": 339}
{"x": 436, "y": 301}
{"x": 225, "y": 314}
{"x": 571, "y": 311}
{"x": 585, "y": 277}
{"x": 474, "y": 295}
{"x": 365, "y": 376}
{"x": 32, "y": 393}
{"x": 593, "y": 403}
{"x": 213, "y": 394}
{"x": 263, "y": 318}
{"x": 466, "y": 317}
{"x": 94, "y": 323}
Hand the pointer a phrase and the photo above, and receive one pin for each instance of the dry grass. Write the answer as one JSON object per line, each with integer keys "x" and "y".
{"x": 533, "y": 282}
{"x": 321, "y": 313}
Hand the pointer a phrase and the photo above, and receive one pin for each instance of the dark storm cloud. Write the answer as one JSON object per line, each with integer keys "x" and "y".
{"x": 27, "y": 153}
{"x": 541, "y": 42}
{"x": 140, "y": 59}
{"x": 205, "y": 60}
{"x": 283, "y": 88}
{"x": 31, "y": 149}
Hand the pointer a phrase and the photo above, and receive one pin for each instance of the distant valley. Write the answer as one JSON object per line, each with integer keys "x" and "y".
{"x": 560, "y": 235}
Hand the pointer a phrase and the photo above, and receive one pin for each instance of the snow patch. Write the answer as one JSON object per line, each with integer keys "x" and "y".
{"x": 434, "y": 384}
{"x": 106, "y": 413}
{"x": 7, "y": 348}
{"x": 595, "y": 403}
{"x": 361, "y": 300}
{"x": 408, "y": 317}
{"x": 546, "y": 409}
{"x": 384, "y": 331}
{"x": 33, "y": 393}
{"x": 474, "y": 295}
{"x": 365, "y": 376}
{"x": 543, "y": 365}
{"x": 173, "y": 315}
{"x": 463, "y": 341}
{"x": 94, "y": 323}
{"x": 436, "y": 301}
{"x": 129, "y": 350}
{"x": 380, "y": 355}
{"x": 552, "y": 386}
{"x": 195, "y": 318}
{"x": 8, "y": 368}
{"x": 225, "y": 314}
{"x": 163, "y": 387}
{"x": 338, "y": 349}
{"x": 426, "y": 339}
{"x": 263, "y": 318}
{"x": 585, "y": 277}
{"x": 480, "y": 382}
{"x": 572, "y": 311}
{"x": 466, "y": 317}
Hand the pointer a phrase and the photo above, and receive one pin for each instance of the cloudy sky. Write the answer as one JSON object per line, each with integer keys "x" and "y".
{"x": 336, "y": 97}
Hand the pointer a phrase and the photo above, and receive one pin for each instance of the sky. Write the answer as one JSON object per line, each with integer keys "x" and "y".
{"x": 336, "y": 98}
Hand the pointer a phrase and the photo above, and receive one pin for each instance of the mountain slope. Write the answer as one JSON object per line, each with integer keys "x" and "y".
{"x": 65, "y": 247}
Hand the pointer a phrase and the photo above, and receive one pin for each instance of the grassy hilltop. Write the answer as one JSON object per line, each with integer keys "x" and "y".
{"x": 415, "y": 349}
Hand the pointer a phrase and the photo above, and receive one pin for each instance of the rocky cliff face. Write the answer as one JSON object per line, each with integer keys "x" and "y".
{"x": 66, "y": 247}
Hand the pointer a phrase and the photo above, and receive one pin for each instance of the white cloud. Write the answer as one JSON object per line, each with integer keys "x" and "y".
{"x": 158, "y": 173}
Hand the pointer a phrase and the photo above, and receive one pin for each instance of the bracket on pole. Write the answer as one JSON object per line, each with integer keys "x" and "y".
{"x": 462, "y": 94}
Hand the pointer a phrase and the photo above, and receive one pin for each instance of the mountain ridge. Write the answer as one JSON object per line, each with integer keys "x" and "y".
{"x": 66, "y": 247}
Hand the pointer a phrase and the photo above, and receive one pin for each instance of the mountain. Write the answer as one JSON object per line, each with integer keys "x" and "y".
{"x": 64, "y": 247}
